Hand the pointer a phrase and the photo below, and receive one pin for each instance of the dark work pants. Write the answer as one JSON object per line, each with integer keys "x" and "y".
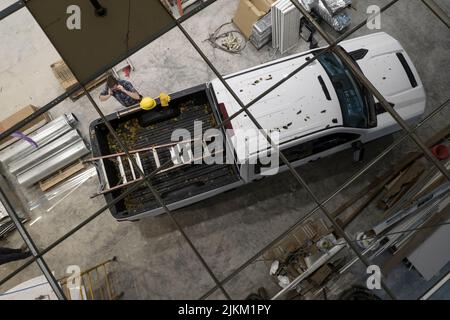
{"x": 8, "y": 255}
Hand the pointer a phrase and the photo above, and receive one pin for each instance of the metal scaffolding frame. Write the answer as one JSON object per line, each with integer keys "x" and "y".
{"x": 38, "y": 256}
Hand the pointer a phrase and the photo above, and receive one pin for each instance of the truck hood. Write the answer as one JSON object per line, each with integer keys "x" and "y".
{"x": 386, "y": 64}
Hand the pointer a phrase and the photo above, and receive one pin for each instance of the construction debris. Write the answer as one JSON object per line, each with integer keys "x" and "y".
{"x": 416, "y": 204}
{"x": 305, "y": 257}
{"x": 232, "y": 41}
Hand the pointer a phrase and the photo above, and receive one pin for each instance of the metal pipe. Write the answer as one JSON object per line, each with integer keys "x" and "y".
{"x": 42, "y": 137}
{"x": 57, "y": 162}
{"x": 45, "y": 153}
{"x": 129, "y": 111}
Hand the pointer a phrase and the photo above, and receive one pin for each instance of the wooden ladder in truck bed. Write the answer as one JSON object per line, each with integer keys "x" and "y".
{"x": 120, "y": 160}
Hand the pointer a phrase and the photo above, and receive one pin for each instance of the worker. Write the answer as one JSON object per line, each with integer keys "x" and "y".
{"x": 8, "y": 255}
{"x": 122, "y": 90}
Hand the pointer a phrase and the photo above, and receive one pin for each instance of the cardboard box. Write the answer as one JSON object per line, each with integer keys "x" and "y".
{"x": 27, "y": 129}
{"x": 250, "y": 11}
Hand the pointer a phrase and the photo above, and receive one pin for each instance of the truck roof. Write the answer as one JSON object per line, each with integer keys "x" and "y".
{"x": 297, "y": 108}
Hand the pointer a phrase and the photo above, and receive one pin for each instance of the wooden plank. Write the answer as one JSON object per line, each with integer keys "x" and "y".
{"x": 68, "y": 80}
{"x": 375, "y": 186}
{"x": 347, "y": 219}
{"x": 62, "y": 175}
{"x": 341, "y": 209}
{"x": 401, "y": 184}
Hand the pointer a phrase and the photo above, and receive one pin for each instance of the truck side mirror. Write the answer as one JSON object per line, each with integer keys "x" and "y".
{"x": 358, "y": 151}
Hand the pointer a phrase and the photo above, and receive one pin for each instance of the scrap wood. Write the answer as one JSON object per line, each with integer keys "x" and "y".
{"x": 345, "y": 221}
{"x": 413, "y": 156}
{"x": 424, "y": 184}
{"x": 406, "y": 176}
{"x": 391, "y": 200}
{"x": 378, "y": 183}
{"x": 417, "y": 239}
{"x": 401, "y": 184}
{"x": 61, "y": 176}
{"x": 368, "y": 194}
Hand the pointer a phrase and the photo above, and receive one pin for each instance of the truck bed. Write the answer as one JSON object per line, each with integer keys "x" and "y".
{"x": 176, "y": 185}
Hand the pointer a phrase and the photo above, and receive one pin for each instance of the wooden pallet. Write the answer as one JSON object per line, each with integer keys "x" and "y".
{"x": 68, "y": 81}
{"x": 61, "y": 175}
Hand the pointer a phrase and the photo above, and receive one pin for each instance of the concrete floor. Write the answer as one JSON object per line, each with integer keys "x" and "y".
{"x": 154, "y": 260}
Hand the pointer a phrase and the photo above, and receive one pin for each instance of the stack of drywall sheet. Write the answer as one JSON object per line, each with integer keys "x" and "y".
{"x": 285, "y": 25}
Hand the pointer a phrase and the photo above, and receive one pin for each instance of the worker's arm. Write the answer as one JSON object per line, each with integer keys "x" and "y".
{"x": 105, "y": 95}
{"x": 129, "y": 90}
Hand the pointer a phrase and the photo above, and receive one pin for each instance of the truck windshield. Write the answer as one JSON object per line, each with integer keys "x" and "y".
{"x": 351, "y": 98}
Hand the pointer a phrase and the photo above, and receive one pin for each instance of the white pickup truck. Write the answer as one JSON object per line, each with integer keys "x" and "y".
{"x": 318, "y": 112}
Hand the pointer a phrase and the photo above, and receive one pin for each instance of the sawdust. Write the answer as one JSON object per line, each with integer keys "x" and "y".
{"x": 128, "y": 132}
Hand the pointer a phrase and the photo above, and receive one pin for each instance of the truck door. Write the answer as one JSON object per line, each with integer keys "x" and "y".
{"x": 316, "y": 147}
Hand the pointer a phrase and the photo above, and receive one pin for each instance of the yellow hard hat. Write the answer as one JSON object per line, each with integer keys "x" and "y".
{"x": 148, "y": 103}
